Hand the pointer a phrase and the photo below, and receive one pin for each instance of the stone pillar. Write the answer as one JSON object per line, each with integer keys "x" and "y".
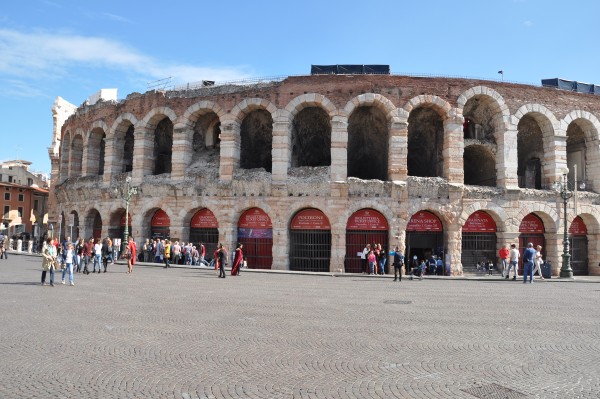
{"x": 453, "y": 235}
{"x": 281, "y": 152}
{"x": 19, "y": 245}
{"x": 398, "y": 168}
{"x": 182, "y": 151}
{"x": 593, "y": 254}
{"x": 453, "y": 148}
{"x": 553, "y": 251}
{"x": 338, "y": 249}
{"x": 506, "y": 159}
{"x": 230, "y": 149}
{"x": 110, "y": 159}
{"x": 143, "y": 154}
{"x": 280, "y": 248}
{"x": 555, "y": 158}
{"x": 339, "y": 148}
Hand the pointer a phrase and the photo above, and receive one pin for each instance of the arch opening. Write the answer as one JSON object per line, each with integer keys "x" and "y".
{"x": 576, "y": 154}
{"x": 256, "y": 134}
{"x": 206, "y": 143}
{"x": 255, "y": 232}
{"x": 311, "y": 138}
{"x": 479, "y": 166}
{"x": 368, "y": 147}
{"x": 310, "y": 241}
{"x": 76, "y": 156}
{"x": 163, "y": 147}
{"x": 425, "y": 143}
{"x": 530, "y": 153}
{"x": 365, "y": 226}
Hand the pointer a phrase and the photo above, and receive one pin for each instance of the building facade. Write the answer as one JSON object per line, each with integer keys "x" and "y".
{"x": 307, "y": 170}
{"x": 24, "y": 199}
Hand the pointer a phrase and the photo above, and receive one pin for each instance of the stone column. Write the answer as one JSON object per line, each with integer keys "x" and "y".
{"x": 143, "y": 154}
{"x": 182, "y": 150}
{"x": 110, "y": 160}
{"x": 281, "y": 153}
{"x": 453, "y": 250}
{"x": 555, "y": 158}
{"x": 339, "y": 148}
{"x": 230, "y": 149}
{"x": 593, "y": 254}
{"x": 553, "y": 251}
{"x": 506, "y": 159}
{"x": 453, "y": 148}
{"x": 338, "y": 249}
{"x": 398, "y": 168}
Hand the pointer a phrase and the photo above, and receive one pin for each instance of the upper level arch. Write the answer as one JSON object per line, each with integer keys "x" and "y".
{"x": 310, "y": 100}
{"x": 375, "y": 100}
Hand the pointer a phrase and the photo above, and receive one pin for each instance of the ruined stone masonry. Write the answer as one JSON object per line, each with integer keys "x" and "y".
{"x": 306, "y": 170}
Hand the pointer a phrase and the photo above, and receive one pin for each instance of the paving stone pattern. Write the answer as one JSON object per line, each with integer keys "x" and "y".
{"x": 183, "y": 333}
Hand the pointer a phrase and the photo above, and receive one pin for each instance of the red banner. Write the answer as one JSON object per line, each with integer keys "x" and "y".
{"x": 424, "y": 221}
{"x": 310, "y": 219}
{"x": 578, "y": 227}
{"x": 367, "y": 219}
{"x": 123, "y": 219}
{"x": 161, "y": 219}
{"x": 532, "y": 224}
{"x": 204, "y": 219}
{"x": 255, "y": 218}
{"x": 479, "y": 222}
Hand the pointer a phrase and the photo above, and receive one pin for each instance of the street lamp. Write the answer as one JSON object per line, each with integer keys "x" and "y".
{"x": 565, "y": 194}
{"x": 127, "y": 193}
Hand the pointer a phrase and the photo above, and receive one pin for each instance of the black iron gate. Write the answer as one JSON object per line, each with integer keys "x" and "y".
{"x": 208, "y": 236}
{"x": 356, "y": 241}
{"x": 579, "y": 255}
{"x": 310, "y": 250}
{"x": 258, "y": 252}
{"x": 477, "y": 247}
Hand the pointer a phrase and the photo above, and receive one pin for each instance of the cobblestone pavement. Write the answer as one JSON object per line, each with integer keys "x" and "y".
{"x": 183, "y": 333}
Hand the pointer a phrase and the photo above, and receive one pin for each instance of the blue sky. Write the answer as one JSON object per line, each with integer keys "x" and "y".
{"x": 51, "y": 48}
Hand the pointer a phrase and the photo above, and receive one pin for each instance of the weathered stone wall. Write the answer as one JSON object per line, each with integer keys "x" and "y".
{"x": 207, "y": 167}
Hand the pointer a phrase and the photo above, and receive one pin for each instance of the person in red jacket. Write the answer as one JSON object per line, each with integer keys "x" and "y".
{"x": 131, "y": 253}
{"x": 237, "y": 260}
{"x": 504, "y": 254}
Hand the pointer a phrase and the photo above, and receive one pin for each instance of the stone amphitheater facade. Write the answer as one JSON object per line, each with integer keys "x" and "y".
{"x": 393, "y": 146}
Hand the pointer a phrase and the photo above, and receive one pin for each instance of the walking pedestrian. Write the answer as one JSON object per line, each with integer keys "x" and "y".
{"x": 69, "y": 255}
{"x": 504, "y": 255}
{"x": 528, "y": 258}
{"x": 48, "y": 261}
{"x": 514, "y": 262}
{"x": 382, "y": 259}
{"x": 222, "y": 258}
{"x": 106, "y": 252}
{"x": 538, "y": 261}
{"x": 398, "y": 263}
{"x": 97, "y": 255}
{"x": 88, "y": 250}
{"x": 130, "y": 253}
{"x": 2, "y": 253}
{"x": 237, "y": 260}
{"x": 167, "y": 253}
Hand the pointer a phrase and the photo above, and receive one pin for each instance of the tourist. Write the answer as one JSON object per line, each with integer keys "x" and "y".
{"x": 167, "y": 253}
{"x": 2, "y": 250}
{"x": 69, "y": 255}
{"x": 130, "y": 253}
{"x": 146, "y": 250}
{"x": 97, "y": 255}
{"x": 79, "y": 254}
{"x": 382, "y": 259}
{"x": 504, "y": 255}
{"x": 106, "y": 252}
{"x": 528, "y": 258}
{"x": 237, "y": 260}
{"x": 176, "y": 249}
{"x": 202, "y": 252}
{"x": 538, "y": 261}
{"x": 514, "y": 261}
{"x": 372, "y": 259}
{"x": 398, "y": 263}
{"x": 363, "y": 258}
{"x": 88, "y": 250}
{"x": 48, "y": 261}
{"x": 222, "y": 259}
{"x": 194, "y": 256}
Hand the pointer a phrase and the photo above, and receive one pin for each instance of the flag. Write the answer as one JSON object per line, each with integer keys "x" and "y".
{"x": 501, "y": 72}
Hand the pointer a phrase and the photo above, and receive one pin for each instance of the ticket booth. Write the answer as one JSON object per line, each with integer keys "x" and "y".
{"x": 365, "y": 226}
{"x": 310, "y": 241}
{"x": 255, "y": 231}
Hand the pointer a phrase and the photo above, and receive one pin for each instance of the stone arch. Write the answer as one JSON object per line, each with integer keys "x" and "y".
{"x": 201, "y": 125}
{"x": 93, "y": 222}
{"x": 582, "y": 130}
{"x": 191, "y": 115}
{"x": 255, "y": 119}
{"x": 355, "y": 207}
{"x": 536, "y": 153}
{"x": 426, "y": 139}
{"x": 441, "y": 106}
{"x": 76, "y": 154}
{"x": 479, "y": 166}
{"x": 488, "y": 98}
{"x": 370, "y": 119}
{"x": 543, "y": 211}
{"x": 587, "y": 213}
{"x": 65, "y": 150}
{"x": 122, "y": 133}
{"x": 496, "y": 212}
{"x": 96, "y": 148}
{"x": 310, "y": 100}
{"x": 484, "y": 91}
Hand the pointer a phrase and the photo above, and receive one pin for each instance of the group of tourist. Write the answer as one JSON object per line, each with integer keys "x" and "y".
{"x": 532, "y": 261}
{"x": 75, "y": 257}
{"x": 3, "y": 246}
{"x": 374, "y": 259}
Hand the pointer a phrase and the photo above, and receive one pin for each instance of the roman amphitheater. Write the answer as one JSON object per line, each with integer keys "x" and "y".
{"x": 307, "y": 169}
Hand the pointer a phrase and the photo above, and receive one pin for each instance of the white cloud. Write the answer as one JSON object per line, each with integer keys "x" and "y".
{"x": 19, "y": 88}
{"x": 528, "y": 23}
{"x": 117, "y": 18}
{"x": 44, "y": 55}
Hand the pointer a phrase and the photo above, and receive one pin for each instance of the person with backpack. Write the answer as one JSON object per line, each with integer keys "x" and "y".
{"x": 398, "y": 263}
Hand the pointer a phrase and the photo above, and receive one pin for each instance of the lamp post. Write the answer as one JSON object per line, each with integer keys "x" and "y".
{"x": 127, "y": 193}
{"x": 565, "y": 194}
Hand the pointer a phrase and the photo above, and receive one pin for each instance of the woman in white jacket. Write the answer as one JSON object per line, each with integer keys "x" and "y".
{"x": 537, "y": 261}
